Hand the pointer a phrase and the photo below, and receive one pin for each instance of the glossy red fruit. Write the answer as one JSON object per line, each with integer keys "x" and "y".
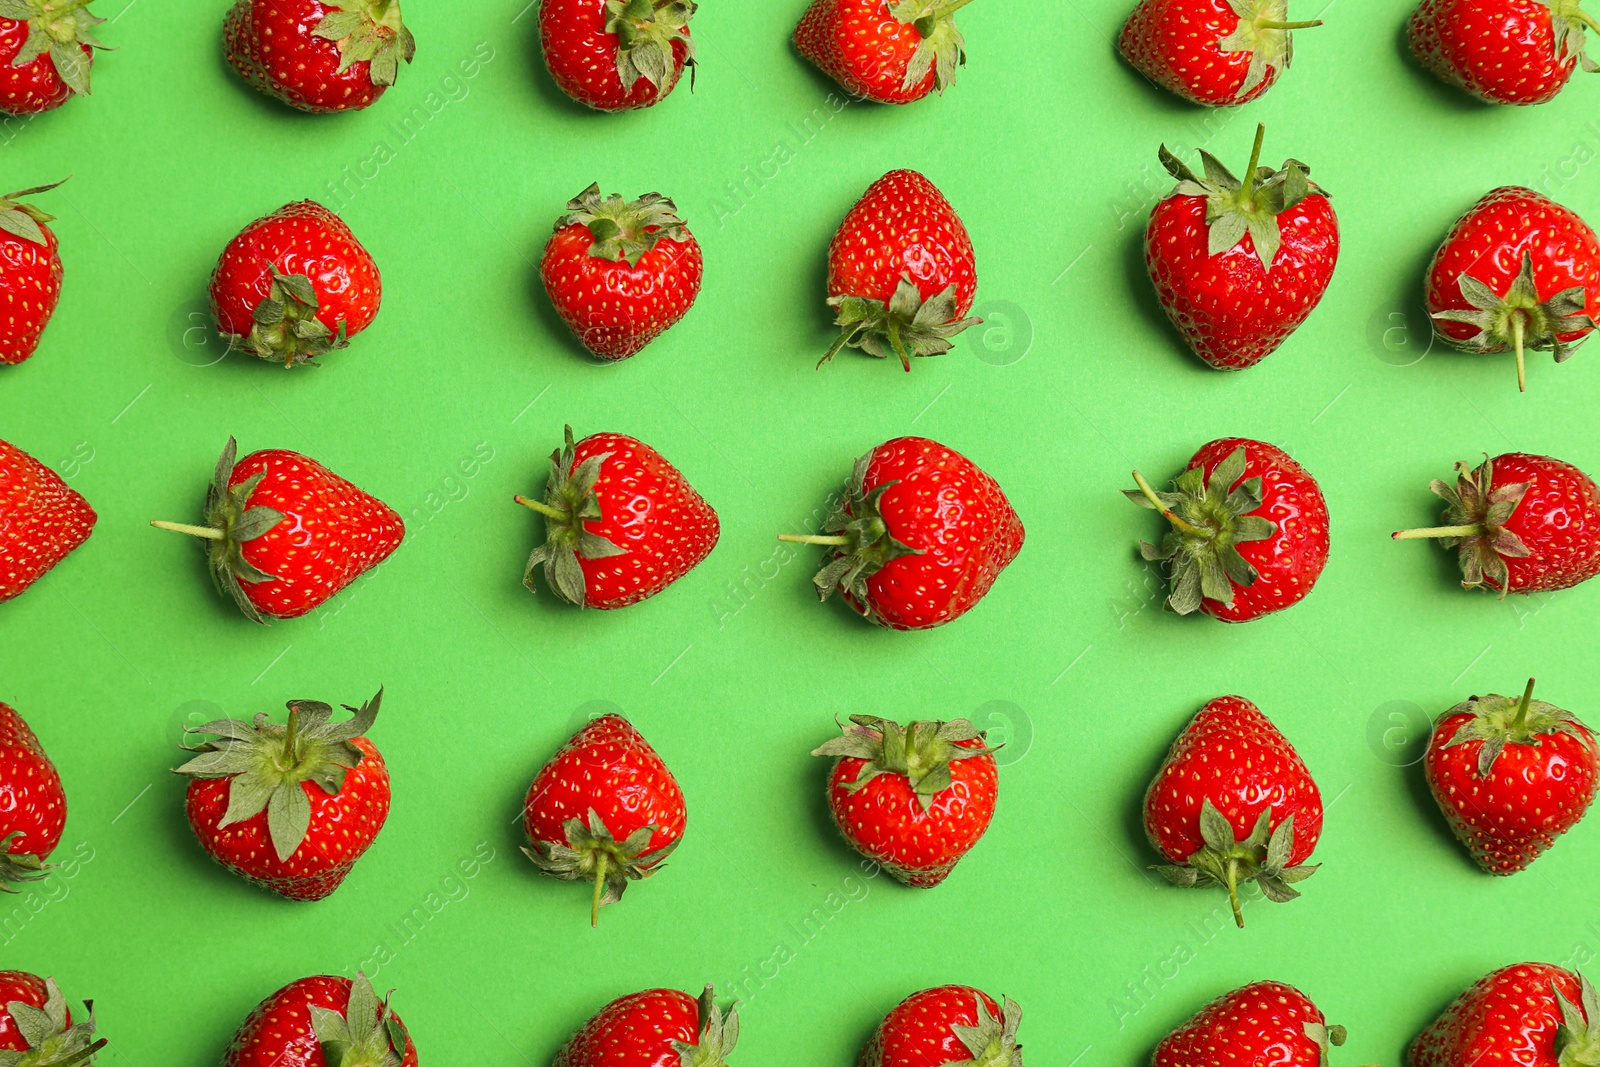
{"x": 302, "y": 1022}
{"x": 918, "y": 538}
{"x": 621, "y": 523}
{"x": 295, "y": 285}
{"x": 1264, "y": 1022}
{"x": 656, "y": 1028}
{"x": 284, "y": 533}
{"x": 888, "y": 51}
{"x": 1249, "y": 530}
{"x": 605, "y": 810}
{"x": 621, "y": 273}
{"x": 1212, "y": 52}
{"x": 1239, "y": 266}
{"x": 30, "y": 274}
{"x": 901, "y": 271}
{"x": 315, "y": 56}
{"x": 46, "y": 54}
{"x": 1520, "y": 524}
{"x": 1517, "y": 271}
{"x": 1501, "y": 51}
{"x": 1234, "y": 803}
{"x": 953, "y": 1024}
{"x": 42, "y": 519}
{"x": 617, "y": 55}
{"x": 49, "y": 1038}
{"x": 34, "y": 811}
{"x": 915, "y": 798}
{"x": 1528, "y": 1014}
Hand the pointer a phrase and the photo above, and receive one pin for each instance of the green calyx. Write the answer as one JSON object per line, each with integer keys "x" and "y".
{"x": 1499, "y": 721}
{"x": 1224, "y": 860}
{"x": 1569, "y": 23}
{"x": 24, "y": 220}
{"x": 18, "y": 867}
{"x": 1326, "y": 1038}
{"x": 624, "y": 229}
{"x": 646, "y": 32}
{"x": 286, "y": 328}
{"x": 942, "y": 49}
{"x": 1519, "y": 320}
{"x": 593, "y": 854}
{"x": 1474, "y": 525}
{"x": 921, "y": 752}
{"x": 267, "y": 763}
{"x": 719, "y": 1033}
{"x": 1578, "y": 1036}
{"x": 61, "y": 28}
{"x": 1235, "y": 208}
{"x": 1264, "y": 30}
{"x": 366, "y": 1035}
{"x": 905, "y": 327}
{"x": 993, "y": 1042}
{"x": 51, "y": 1042}
{"x": 569, "y": 502}
{"x": 369, "y": 31}
{"x": 1210, "y": 518}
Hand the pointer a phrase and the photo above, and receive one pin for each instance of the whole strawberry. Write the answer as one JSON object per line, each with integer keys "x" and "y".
{"x": 621, "y": 273}
{"x": 621, "y": 523}
{"x": 1264, "y": 1022}
{"x": 46, "y": 53}
{"x": 1520, "y": 524}
{"x": 316, "y": 56}
{"x": 35, "y": 809}
{"x": 1218, "y": 53}
{"x": 1528, "y": 1014}
{"x": 1511, "y": 776}
{"x": 912, "y": 798}
{"x": 42, "y": 519}
{"x": 289, "y": 807}
{"x": 617, "y": 55}
{"x": 284, "y": 533}
{"x": 888, "y": 51}
{"x": 1249, "y": 531}
{"x": 1502, "y": 51}
{"x": 652, "y": 1029}
{"x": 1517, "y": 271}
{"x": 324, "y": 1020}
{"x": 295, "y": 285}
{"x": 30, "y": 274}
{"x": 918, "y": 538}
{"x": 953, "y": 1024}
{"x": 1233, "y": 803}
{"x": 901, "y": 272}
{"x": 605, "y": 809}
{"x": 36, "y": 1029}
{"x": 1239, "y": 266}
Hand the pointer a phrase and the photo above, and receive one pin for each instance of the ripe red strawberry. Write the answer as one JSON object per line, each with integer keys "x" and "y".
{"x": 295, "y": 285}
{"x": 1264, "y": 1022}
{"x": 621, "y": 523}
{"x": 1517, "y": 271}
{"x": 652, "y": 1029}
{"x": 42, "y": 519}
{"x": 289, "y": 807}
{"x": 1218, "y": 53}
{"x": 901, "y": 271}
{"x": 1233, "y": 803}
{"x": 913, "y": 798}
{"x": 323, "y": 1020}
{"x": 621, "y": 273}
{"x": 1528, "y": 1014}
{"x": 918, "y": 538}
{"x": 1520, "y": 523}
{"x": 46, "y": 53}
{"x": 30, "y": 274}
{"x": 34, "y": 811}
{"x": 888, "y": 51}
{"x": 338, "y": 55}
{"x": 1502, "y": 51}
{"x": 604, "y": 809}
{"x": 1511, "y": 776}
{"x": 617, "y": 55}
{"x": 34, "y": 1020}
{"x": 1249, "y": 530}
{"x": 954, "y": 1024}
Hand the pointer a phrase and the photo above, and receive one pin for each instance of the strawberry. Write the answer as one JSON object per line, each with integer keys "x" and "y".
{"x": 1520, "y": 524}
{"x": 621, "y": 523}
{"x": 653, "y": 1029}
{"x": 1502, "y": 51}
{"x": 36, "y": 1029}
{"x": 617, "y": 55}
{"x": 888, "y": 51}
{"x": 284, "y": 533}
{"x": 323, "y": 1021}
{"x": 1517, "y": 271}
{"x": 901, "y": 272}
{"x": 1529, "y": 1014}
{"x": 1511, "y": 776}
{"x": 913, "y": 798}
{"x": 1234, "y": 803}
{"x": 1249, "y": 530}
{"x": 318, "y": 56}
{"x": 604, "y": 809}
{"x": 621, "y": 273}
{"x": 42, "y": 519}
{"x": 1264, "y": 1022}
{"x": 34, "y": 811}
{"x": 918, "y": 538}
{"x": 30, "y": 274}
{"x": 295, "y": 285}
{"x": 46, "y": 53}
{"x": 953, "y": 1025}
{"x": 1218, "y": 53}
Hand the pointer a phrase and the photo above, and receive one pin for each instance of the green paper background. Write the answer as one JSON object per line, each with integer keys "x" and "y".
{"x": 452, "y": 401}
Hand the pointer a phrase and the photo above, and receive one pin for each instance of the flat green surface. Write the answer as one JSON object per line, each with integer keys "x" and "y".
{"x": 1047, "y": 145}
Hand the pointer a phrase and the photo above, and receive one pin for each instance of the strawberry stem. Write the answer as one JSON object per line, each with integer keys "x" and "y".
{"x": 85, "y": 1055}
{"x": 1269, "y": 24}
{"x": 193, "y": 531}
{"x": 814, "y": 539}
{"x": 599, "y": 888}
{"x": 1437, "y": 531}
{"x": 544, "y": 509}
{"x": 1255, "y": 161}
{"x": 1518, "y": 325}
{"x": 1520, "y": 723}
{"x": 1166, "y": 512}
{"x": 1233, "y": 892}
